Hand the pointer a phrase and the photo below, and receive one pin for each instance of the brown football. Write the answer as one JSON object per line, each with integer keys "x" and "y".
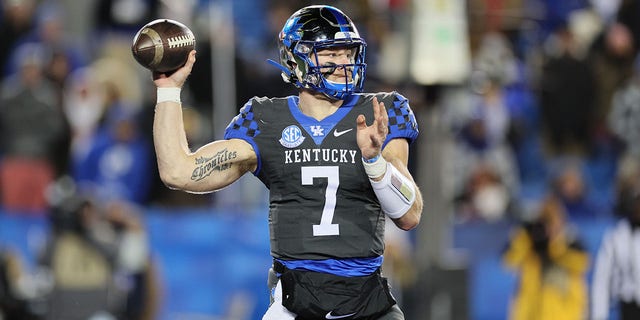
{"x": 163, "y": 45}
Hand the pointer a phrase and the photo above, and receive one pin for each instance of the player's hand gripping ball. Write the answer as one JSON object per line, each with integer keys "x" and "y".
{"x": 163, "y": 45}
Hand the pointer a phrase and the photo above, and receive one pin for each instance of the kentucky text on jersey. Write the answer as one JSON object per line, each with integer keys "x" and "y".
{"x": 315, "y": 155}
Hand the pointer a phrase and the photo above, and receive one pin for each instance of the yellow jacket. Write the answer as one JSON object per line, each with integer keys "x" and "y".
{"x": 551, "y": 290}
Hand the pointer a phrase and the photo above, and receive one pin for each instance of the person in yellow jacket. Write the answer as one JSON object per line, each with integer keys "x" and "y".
{"x": 551, "y": 265}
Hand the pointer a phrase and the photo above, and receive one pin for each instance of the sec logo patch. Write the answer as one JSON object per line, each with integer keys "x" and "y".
{"x": 291, "y": 136}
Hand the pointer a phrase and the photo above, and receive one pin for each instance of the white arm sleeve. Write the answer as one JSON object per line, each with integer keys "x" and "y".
{"x": 395, "y": 192}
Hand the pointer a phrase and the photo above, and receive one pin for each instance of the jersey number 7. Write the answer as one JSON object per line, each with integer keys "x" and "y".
{"x": 332, "y": 173}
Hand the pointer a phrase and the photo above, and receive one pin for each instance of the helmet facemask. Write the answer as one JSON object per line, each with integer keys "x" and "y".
{"x": 347, "y": 78}
{"x": 308, "y": 72}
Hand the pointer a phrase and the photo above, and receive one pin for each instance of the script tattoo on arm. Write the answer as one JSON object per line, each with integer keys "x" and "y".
{"x": 219, "y": 162}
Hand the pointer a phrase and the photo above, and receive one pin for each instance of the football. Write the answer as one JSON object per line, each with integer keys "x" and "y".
{"x": 163, "y": 45}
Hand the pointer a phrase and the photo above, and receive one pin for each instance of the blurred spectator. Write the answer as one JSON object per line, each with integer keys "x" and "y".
{"x": 124, "y": 16}
{"x": 585, "y": 25}
{"x": 398, "y": 264}
{"x": 611, "y": 58}
{"x": 524, "y": 131}
{"x": 482, "y": 126}
{"x": 135, "y": 269}
{"x": 626, "y": 181}
{"x": 569, "y": 186}
{"x": 17, "y": 21}
{"x": 485, "y": 196}
{"x": 624, "y": 118}
{"x": 14, "y": 301}
{"x": 34, "y": 135}
{"x": 606, "y": 9}
{"x": 119, "y": 80}
{"x": 628, "y": 14}
{"x": 118, "y": 164}
{"x": 57, "y": 70}
{"x": 96, "y": 256}
{"x": 551, "y": 264}
{"x": 50, "y": 32}
{"x": 114, "y": 159}
{"x": 616, "y": 285}
{"x": 84, "y": 108}
{"x": 555, "y": 13}
{"x": 62, "y": 54}
{"x": 566, "y": 96}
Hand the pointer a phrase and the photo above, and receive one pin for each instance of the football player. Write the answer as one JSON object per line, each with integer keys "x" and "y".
{"x": 333, "y": 158}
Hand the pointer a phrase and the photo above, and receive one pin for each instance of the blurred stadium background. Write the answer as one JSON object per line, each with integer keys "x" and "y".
{"x": 514, "y": 99}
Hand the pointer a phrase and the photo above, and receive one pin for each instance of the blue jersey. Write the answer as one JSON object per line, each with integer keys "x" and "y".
{"x": 322, "y": 205}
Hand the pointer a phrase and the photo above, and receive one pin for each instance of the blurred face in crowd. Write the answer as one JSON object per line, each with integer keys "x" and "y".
{"x": 31, "y": 74}
{"x": 619, "y": 40}
{"x": 19, "y": 12}
{"x": 570, "y": 184}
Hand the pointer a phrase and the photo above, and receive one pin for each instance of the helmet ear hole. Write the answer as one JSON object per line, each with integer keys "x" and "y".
{"x": 292, "y": 75}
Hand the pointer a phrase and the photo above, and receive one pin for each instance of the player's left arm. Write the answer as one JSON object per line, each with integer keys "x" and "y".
{"x": 386, "y": 168}
{"x": 396, "y": 152}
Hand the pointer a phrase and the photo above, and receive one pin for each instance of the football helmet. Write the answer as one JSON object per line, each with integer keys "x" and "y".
{"x": 310, "y": 30}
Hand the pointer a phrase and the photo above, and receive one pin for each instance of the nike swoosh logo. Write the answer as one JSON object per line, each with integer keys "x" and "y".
{"x": 330, "y": 316}
{"x": 337, "y": 133}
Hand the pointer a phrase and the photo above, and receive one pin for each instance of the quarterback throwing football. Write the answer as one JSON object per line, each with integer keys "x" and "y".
{"x": 333, "y": 158}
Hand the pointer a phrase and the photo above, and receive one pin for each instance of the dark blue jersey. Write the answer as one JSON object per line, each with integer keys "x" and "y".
{"x": 321, "y": 205}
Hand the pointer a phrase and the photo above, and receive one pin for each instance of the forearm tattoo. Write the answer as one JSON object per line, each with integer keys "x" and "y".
{"x": 219, "y": 162}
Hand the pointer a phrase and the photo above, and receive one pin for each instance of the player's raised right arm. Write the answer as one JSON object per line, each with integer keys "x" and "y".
{"x": 211, "y": 167}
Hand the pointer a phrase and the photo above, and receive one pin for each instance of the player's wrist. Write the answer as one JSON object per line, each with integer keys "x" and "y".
{"x": 375, "y": 167}
{"x": 168, "y": 94}
{"x": 371, "y": 160}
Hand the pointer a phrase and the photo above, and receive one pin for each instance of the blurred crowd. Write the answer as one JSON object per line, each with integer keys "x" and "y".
{"x": 542, "y": 132}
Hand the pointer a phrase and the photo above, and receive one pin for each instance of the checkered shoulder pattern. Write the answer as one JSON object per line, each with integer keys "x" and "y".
{"x": 402, "y": 121}
{"x": 244, "y": 125}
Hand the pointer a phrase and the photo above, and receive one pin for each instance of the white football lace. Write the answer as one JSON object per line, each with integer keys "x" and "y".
{"x": 181, "y": 41}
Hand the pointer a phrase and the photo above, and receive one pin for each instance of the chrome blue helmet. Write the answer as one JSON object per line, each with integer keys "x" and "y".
{"x": 314, "y": 28}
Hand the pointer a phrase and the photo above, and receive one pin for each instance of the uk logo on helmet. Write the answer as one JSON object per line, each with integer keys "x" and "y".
{"x": 291, "y": 137}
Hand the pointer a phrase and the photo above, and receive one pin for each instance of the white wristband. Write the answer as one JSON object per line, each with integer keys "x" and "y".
{"x": 375, "y": 169}
{"x": 395, "y": 192}
{"x": 168, "y": 94}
